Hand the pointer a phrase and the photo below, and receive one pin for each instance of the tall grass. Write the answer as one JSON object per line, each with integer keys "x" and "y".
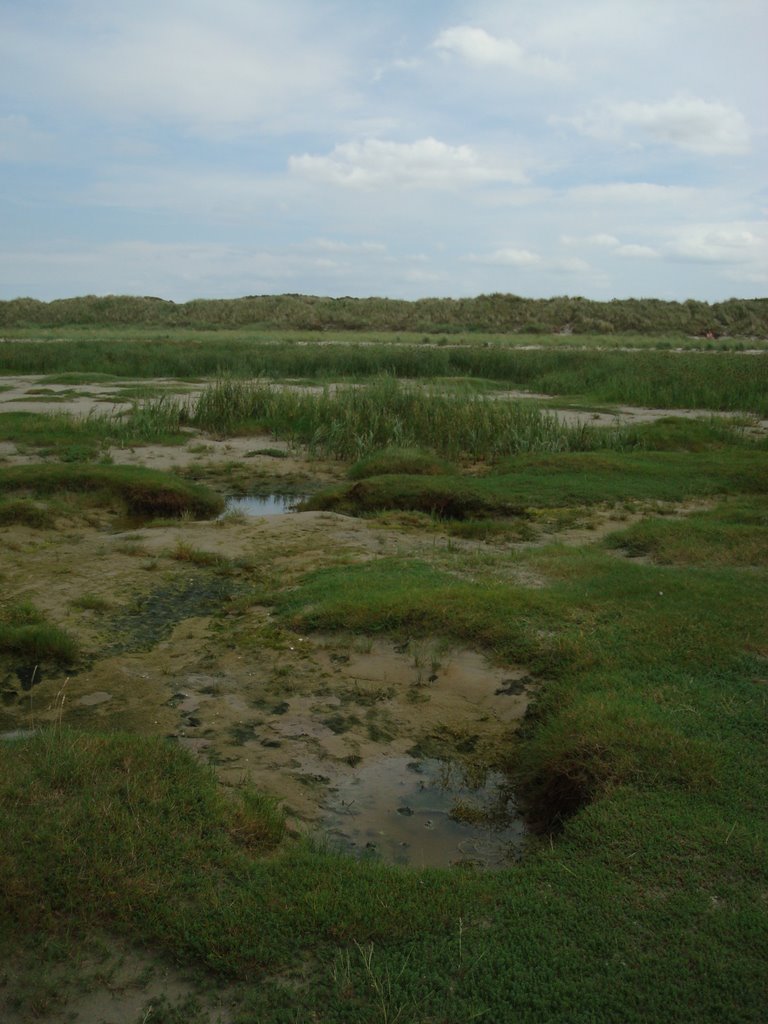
{"x": 349, "y": 423}
{"x": 724, "y": 381}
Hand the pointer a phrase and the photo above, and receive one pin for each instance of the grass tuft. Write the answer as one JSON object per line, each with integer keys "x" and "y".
{"x": 23, "y": 512}
{"x": 25, "y": 633}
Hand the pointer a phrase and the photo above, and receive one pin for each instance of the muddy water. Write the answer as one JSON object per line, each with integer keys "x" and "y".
{"x": 425, "y": 813}
{"x": 388, "y": 752}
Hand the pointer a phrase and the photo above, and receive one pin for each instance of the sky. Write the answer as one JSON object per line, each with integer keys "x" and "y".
{"x": 407, "y": 148}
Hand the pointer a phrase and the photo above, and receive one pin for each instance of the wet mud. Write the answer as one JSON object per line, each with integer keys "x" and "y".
{"x": 178, "y": 645}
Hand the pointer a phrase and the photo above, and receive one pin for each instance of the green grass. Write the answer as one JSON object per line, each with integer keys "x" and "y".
{"x": 25, "y": 633}
{"x": 141, "y": 492}
{"x": 91, "y": 603}
{"x": 352, "y": 423}
{"x": 399, "y": 460}
{"x": 88, "y": 438}
{"x": 642, "y": 760}
{"x": 185, "y": 552}
{"x": 723, "y": 381}
{"x": 23, "y": 512}
{"x": 733, "y": 533}
{"x": 646, "y": 749}
{"x": 511, "y": 313}
{"x": 567, "y": 479}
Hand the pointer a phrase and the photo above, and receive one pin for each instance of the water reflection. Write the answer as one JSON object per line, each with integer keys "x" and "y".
{"x": 263, "y": 504}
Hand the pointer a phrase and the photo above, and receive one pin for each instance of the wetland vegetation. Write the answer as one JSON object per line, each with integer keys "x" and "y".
{"x": 507, "y": 573}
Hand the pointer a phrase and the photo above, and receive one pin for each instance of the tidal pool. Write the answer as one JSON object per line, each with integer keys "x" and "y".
{"x": 424, "y": 813}
{"x": 263, "y": 504}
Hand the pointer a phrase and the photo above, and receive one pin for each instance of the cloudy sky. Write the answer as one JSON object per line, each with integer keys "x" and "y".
{"x": 407, "y": 148}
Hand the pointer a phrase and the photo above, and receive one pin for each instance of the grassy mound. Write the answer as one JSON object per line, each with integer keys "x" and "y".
{"x": 23, "y": 512}
{"x": 144, "y": 492}
{"x": 557, "y": 480}
{"x": 733, "y": 533}
{"x": 446, "y": 497}
{"x": 400, "y": 461}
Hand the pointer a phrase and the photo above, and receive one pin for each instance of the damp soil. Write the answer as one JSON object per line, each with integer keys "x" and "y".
{"x": 108, "y": 981}
{"x": 180, "y": 642}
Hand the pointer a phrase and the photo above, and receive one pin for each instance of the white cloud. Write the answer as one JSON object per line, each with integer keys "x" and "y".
{"x": 572, "y": 265}
{"x": 426, "y": 163}
{"x": 509, "y": 258}
{"x": 640, "y": 252}
{"x": 476, "y": 46}
{"x": 612, "y": 243}
{"x": 175, "y": 121}
{"x": 218, "y": 68}
{"x": 630, "y": 192}
{"x": 687, "y": 122}
{"x": 603, "y": 240}
{"x": 735, "y": 243}
{"x": 426, "y": 277}
{"x": 335, "y": 245}
{"x": 606, "y": 241}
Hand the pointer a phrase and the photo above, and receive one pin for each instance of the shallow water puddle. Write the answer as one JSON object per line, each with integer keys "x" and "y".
{"x": 424, "y": 813}
{"x": 263, "y": 504}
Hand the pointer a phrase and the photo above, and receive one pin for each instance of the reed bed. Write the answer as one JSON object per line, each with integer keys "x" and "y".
{"x": 722, "y": 381}
{"x": 351, "y": 422}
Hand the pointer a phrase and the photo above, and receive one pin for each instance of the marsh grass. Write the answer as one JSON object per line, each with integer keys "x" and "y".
{"x": 493, "y": 530}
{"x": 642, "y": 757}
{"x": 133, "y": 836}
{"x": 88, "y": 438}
{"x": 566, "y": 480}
{"x": 25, "y": 633}
{"x": 141, "y": 492}
{"x": 596, "y": 617}
{"x": 91, "y": 603}
{"x": 733, "y": 533}
{"x": 24, "y": 512}
{"x": 400, "y": 461}
{"x": 186, "y": 552}
{"x": 350, "y": 423}
{"x": 666, "y": 379}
